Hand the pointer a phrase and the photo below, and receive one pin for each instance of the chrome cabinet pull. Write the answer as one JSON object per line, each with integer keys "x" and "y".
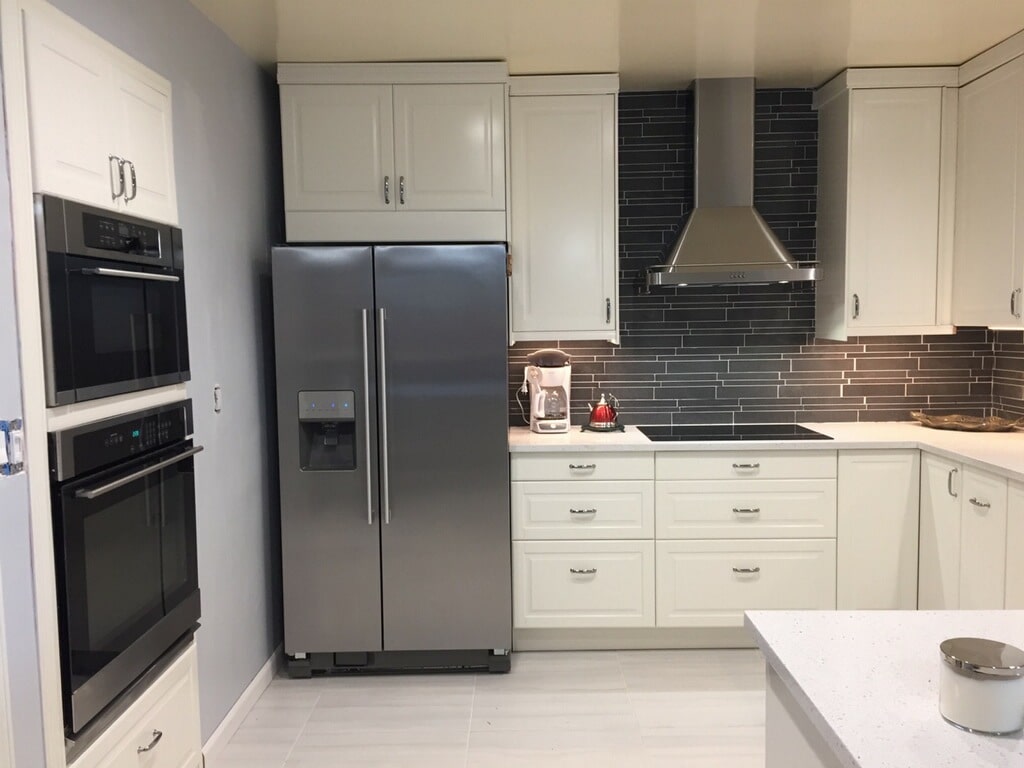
{"x": 108, "y": 272}
{"x": 401, "y": 189}
{"x": 579, "y": 467}
{"x": 949, "y": 483}
{"x": 607, "y": 310}
{"x": 387, "y": 190}
{"x": 1015, "y": 303}
{"x": 755, "y": 569}
{"x": 366, "y": 416}
{"x": 583, "y": 571}
{"x": 386, "y": 486}
{"x": 113, "y": 485}
{"x": 756, "y": 465}
{"x": 114, "y": 194}
{"x": 582, "y": 511}
{"x": 157, "y": 735}
{"x": 982, "y": 504}
{"x": 747, "y": 511}
{"x": 856, "y": 306}
{"x": 135, "y": 184}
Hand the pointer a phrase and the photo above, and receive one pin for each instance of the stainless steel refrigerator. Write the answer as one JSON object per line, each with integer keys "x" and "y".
{"x": 392, "y": 423}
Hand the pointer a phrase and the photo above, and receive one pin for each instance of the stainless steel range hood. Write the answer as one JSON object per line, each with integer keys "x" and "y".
{"x": 726, "y": 240}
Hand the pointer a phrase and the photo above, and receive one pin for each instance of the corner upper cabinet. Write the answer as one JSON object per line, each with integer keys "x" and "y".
{"x": 563, "y": 211}
{"x": 989, "y": 252}
{"x": 100, "y": 122}
{"x": 396, "y": 152}
{"x": 885, "y": 238}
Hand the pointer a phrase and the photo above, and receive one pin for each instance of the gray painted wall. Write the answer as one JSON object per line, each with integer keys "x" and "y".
{"x": 227, "y": 164}
{"x": 15, "y": 547}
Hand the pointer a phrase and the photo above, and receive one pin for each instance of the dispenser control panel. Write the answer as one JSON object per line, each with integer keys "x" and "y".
{"x": 327, "y": 405}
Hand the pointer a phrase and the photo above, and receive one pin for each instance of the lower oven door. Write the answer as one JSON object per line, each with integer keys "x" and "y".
{"x": 126, "y": 556}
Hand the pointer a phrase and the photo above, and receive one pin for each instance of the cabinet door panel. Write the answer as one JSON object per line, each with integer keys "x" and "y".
{"x": 563, "y": 215}
{"x": 622, "y": 509}
{"x": 1015, "y": 535}
{"x": 894, "y": 217}
{"x": 69, "y": 107}
{"x": 145, "y": 119}
{"x": 338, "y": 147}
{"x": 983, "y": 541}
{"x": 987, "y": 185}
{"x": 939, "y": 550}
{"x": 450, "y": 147}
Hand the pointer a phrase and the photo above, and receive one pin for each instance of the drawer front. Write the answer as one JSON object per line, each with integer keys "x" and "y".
{"x": 583, "y": 584}
{"x": 746, "y": 509}
{"x": 759, "y": 465}
{"x": 582, "y": 466}
{"x": 597, "y": 509}
{"x": 711, "y": 583}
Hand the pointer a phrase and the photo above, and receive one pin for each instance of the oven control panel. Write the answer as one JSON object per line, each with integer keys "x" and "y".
{"x": 110, "y": 234}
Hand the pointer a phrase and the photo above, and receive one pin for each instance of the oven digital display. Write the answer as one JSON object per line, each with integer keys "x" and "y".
{"x": 108, "y": 234}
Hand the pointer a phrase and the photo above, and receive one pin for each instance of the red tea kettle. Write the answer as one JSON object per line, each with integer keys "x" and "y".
{"x": 604, "y": 416}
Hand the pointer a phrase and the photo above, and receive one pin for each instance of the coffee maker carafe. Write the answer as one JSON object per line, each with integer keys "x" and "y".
{"x": 547, "y": 374}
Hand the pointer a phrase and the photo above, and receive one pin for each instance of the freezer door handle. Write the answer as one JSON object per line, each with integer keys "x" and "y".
{"x": 385, "y": 488}
{"x": 366, "y": 416}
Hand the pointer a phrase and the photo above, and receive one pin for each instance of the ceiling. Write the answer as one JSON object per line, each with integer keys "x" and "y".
{"x": 651, "y": 43}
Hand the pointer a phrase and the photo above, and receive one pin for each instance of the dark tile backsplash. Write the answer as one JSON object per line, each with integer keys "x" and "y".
{"x": 747, "y": 354}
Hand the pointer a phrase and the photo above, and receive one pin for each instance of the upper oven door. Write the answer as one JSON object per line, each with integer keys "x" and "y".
{"x": 123, "y": 327}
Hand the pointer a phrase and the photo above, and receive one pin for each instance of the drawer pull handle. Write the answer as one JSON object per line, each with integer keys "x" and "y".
{"x": 747, "y": 466}
{"x": 583, "y": 571}
{"x": 982, "y": 504}
{"x": 157, "y": 735}
{"x": 578, "y": 467}
{"x": 582, "y": 511}
{"x": 746, "y": 571}
{"x": 750, "y": 511}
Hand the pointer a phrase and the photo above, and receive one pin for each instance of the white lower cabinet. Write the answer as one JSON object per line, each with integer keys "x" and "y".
{"x": 982, "y": 540}
{"x": 159, "y": 730}
{"x": 583, "y": 584}
{"x": 710, "y": 583}
{"x": 1014, "y": 535}
{"x": 595, "y": 509}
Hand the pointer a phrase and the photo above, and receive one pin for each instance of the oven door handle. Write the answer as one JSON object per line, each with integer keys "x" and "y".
{"x": 92, "y": 493}
{"x": 108, "y": 272}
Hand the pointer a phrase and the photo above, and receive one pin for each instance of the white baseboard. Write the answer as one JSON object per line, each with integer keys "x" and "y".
{"x": 222, "y": 735}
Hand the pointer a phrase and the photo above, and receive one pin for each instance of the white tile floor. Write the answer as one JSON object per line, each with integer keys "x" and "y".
{"x": 614, "y": 708}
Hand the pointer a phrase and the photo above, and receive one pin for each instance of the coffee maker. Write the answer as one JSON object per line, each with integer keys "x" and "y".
{"x": 547, "y": 376}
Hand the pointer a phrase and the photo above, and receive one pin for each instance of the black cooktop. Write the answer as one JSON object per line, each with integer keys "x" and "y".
{"x": 699, "y": 433}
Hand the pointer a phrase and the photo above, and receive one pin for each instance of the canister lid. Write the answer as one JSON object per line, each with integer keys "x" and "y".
{"x": 549, "y": 358}
{"x": 978, "y": 657}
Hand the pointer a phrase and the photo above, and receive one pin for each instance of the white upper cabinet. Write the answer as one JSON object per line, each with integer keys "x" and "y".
{"x": 989, "y": 255}
{"x": 100, "y": 122}
{"x": 564, "y": 213}
{"x": 338, "y": 151}
{"x": 398, "y": 152}
{"x": 885, "y": 197}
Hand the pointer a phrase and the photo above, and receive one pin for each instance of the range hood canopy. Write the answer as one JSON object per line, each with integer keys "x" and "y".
{"x": 726, "y": 240}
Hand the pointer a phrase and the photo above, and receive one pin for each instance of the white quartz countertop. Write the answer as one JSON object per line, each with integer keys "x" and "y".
{"x": 869, "y": 682}
{"x": 999, "y": 452}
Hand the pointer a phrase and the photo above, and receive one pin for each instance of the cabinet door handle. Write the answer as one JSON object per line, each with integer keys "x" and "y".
{"x": 856, "y": 306}
{"x": 949, "y": 483}
{"x": 135, "y": 183}
{"x": 387, "y": 190}
{"x": 756, "y": 465}
{"x": 116, "y": 193}
{"x": 982, "y": 504}
{"x": 582, "y": 511}
{"x": 401, "y": 190}
{"x": 747, "y": 511}
{"x": 607, "y": 310}
{"x": 582, "y": 467}
{"x": 583, "y": 571}
{"x": 1015, "y": 303}
{"x": 756, "y": 569}
{"x": 157, "y": 735}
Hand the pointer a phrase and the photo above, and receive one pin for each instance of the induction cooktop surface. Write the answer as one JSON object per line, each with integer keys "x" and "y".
{"x": 722, "y": 432}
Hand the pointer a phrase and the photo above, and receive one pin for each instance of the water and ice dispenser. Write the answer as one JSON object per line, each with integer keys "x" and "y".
{"x": 327, "y": 430}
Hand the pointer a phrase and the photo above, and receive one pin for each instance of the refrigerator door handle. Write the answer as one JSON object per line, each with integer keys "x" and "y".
{"x": 366, "y": 417}
{"x": 385, "y": 487}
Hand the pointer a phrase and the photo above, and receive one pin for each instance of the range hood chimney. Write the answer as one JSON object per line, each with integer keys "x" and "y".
{"x": 726, "y": 241}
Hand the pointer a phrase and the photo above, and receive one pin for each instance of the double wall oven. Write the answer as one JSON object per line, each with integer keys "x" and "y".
{"x": 113, "y": 300}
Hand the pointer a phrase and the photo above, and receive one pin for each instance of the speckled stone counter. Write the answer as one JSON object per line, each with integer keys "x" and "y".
{"x": 868, "y": 683}
{"x": 1002, "y": 453}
